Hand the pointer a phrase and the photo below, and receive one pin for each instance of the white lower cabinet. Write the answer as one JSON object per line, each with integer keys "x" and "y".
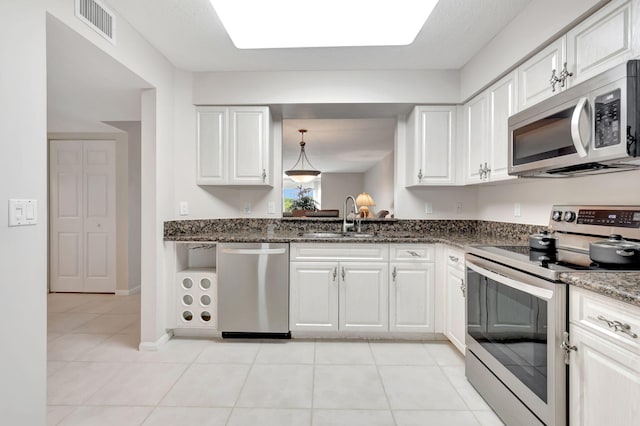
{"x": 339, "y": 287}
{"x": 412, "y": 289}
{"x": 456, "y": 290}
{"x": 604, "y": 370}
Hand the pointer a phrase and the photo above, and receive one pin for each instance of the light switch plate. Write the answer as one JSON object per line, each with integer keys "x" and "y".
{"x": 184, "y": 208}
{"x": 23, "y": 212}
{"x": 271, "y": 207}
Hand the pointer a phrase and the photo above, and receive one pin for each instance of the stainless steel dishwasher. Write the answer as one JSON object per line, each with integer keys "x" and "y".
{"x": 253, "y": 290}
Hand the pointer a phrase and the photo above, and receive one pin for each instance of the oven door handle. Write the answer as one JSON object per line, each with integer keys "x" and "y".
{"x": 536, "y": 291}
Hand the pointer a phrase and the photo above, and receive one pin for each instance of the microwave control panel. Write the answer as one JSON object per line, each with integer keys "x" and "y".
{"x": 607, "y": 119}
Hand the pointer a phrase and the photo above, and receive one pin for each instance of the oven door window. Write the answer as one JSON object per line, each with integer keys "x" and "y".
{"x": 543, "y": 139}
{"x": 512, "y": 326}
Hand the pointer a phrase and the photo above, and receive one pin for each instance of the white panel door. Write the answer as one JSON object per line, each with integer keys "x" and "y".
{"x": 604, "y": 382}
{"x": 314, "y": 296}
{"x": 82, "y": 216}
{"x": 249, "y": 145}
{"x": 100, "y": 216}
{"x": 66, "y": 212}
{"x": 411, "y": 297}
{"x": 502, "y": 104}
{"x": 475, "y": 127}
{"x": 364, "y": 296}
{"x": 534, "y": 75}
{"x": 603, "y": 40}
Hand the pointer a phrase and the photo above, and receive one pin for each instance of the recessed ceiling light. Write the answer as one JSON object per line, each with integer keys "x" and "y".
{"x": 262, "y": 24}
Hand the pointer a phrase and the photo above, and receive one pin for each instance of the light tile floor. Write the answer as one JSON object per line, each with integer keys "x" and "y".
{"x": 97, "y": 376}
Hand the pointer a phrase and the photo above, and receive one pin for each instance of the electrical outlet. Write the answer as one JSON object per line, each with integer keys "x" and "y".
{"x": 458, "y": 207}
{"x": 184, "y": 208}
{"x": 428, "y": 208}
{"x": 516, "y": 210}
{"x": 247, "y": 208}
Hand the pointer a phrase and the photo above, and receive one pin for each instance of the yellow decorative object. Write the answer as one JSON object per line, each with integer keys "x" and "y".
{"x": 363, "y": 201}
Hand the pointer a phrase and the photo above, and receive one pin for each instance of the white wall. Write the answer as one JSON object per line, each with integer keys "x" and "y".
{"x": 132, "y": 128}
{"x": 379, "y": 181}
{"x": 280, "y": 87}
{"x": 157, "y": 171}
{"x": 23, "y": 253}
{"x": 536, "y": 196}
{"x": 335, "y": 187}
{"x": 537, "y": 24}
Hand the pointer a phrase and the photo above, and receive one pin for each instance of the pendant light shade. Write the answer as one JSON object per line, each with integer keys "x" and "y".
{"x": 302, "y": 174}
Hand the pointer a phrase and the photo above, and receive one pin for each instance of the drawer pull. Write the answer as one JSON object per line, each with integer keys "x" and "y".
{"x": 618, "y": 326}
{"x": 453, "y": 258}
{"x": 335, "y": 273}
{"x": 413, "y": 253}
{"x": 343, "y": 274}
{"x": 394, "y": 274}
{"x": 463, "y": 288}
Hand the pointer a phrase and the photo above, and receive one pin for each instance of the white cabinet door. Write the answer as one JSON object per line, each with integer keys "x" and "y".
{"x": 603, "y": 40}
{"x": 502, "y": 104}
{"x": 233, "y": 146}
{"x": 314, "y": 296}
{"x": 455, "y": 317}
{"x": 364, "y": 296}
{"x": 411, "y": 297}
{"x": 212, "y": 143}
{"x": 534, "y": 74}
{"x": 604, "y": 381}
{"x": 249, "y": 146}
{"x": 475, "y": 128}
{"x": 432, "y": 146}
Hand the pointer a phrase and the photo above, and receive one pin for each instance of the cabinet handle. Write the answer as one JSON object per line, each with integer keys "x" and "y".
{"x": 553, "y": 80}
{"x": 264, "y": 175}
{"x": 394, "y": 274}
{"x": 453, "y": 258}
{"x": 420, "y": 175}
{"x": 343, "y": 273}
{"x": 618, "y": 326}
{"x": 562, "y": 78}
{"x": 486, "y": 170}
{"x": 481, "y": 171}
{"x": 463, "y": 287}
{"x": 335, "y": 273}
{"x": 567, "y": 347}
{"x": 413, "y": 253}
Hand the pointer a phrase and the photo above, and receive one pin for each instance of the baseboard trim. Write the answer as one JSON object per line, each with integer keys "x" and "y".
{"x": 154, "y": 346}
{"x": 129, "y": 292}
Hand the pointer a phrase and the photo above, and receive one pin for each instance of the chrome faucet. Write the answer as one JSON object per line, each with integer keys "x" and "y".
{"x": 345, "y": 225}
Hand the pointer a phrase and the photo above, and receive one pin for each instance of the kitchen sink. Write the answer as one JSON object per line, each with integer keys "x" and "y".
{"x": 322, "y": 235}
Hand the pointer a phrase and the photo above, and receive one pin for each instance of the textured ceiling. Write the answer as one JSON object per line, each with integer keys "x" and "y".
{"x": 191, "y": 36}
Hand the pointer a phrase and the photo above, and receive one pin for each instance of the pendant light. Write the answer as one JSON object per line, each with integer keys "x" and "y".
{"x": 302, "y": 175}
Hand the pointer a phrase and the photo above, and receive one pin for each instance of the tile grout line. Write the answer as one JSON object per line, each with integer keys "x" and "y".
{"x": 384, "y": 389}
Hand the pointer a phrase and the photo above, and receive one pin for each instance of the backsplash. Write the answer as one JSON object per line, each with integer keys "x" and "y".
{"x": 513, "y": 231}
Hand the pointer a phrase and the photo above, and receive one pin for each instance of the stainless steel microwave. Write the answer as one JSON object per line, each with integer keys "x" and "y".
{"x": 587, "y": 129}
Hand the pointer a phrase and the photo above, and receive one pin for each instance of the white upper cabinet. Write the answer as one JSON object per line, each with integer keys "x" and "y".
{"x": 486, "y": 131}
{"x": 534, "y": 76}
{"x": 603, "y": 40}
{"x": 431, "y": 135}
{"x": 233, "y": 146}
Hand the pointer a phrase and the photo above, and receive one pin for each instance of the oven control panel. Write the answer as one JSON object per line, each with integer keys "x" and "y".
{"x": 623, "y": 218}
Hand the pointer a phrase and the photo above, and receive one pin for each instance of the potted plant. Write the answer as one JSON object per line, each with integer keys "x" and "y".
{"x": 304, "y": 203}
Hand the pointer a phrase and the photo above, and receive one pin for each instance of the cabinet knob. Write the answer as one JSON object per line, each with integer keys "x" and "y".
{"x": 420, "y": 175}
{"x": 481, "y": 171}
{"x": 486, "y": 170}
{"x": 264, "y": 175}
{"x": 453, "y": 258}
{"x": 463, "y": 287}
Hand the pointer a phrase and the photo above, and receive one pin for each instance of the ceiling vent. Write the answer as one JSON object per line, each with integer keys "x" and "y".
{"x": 96, "y": 15}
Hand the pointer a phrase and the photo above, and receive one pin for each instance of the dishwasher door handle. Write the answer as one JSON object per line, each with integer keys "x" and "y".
{"x": 254, "y": 251}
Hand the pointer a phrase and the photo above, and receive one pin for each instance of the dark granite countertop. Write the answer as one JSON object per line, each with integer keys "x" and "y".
{"x": 623, "y": 286}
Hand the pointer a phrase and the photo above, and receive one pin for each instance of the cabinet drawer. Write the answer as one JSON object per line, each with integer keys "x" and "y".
{"x": 364, "y": 252}
{"x": 455, "y": 259}
{"x": 412, "y": 253}
{"x": 615, "y": 320}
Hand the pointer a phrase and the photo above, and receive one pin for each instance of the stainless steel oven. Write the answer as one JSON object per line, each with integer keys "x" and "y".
{"x": 515, "y": 323}
{"x": 517, "y": 348}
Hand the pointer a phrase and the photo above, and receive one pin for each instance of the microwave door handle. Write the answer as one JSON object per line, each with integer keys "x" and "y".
{"x": 576, "y": 134}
